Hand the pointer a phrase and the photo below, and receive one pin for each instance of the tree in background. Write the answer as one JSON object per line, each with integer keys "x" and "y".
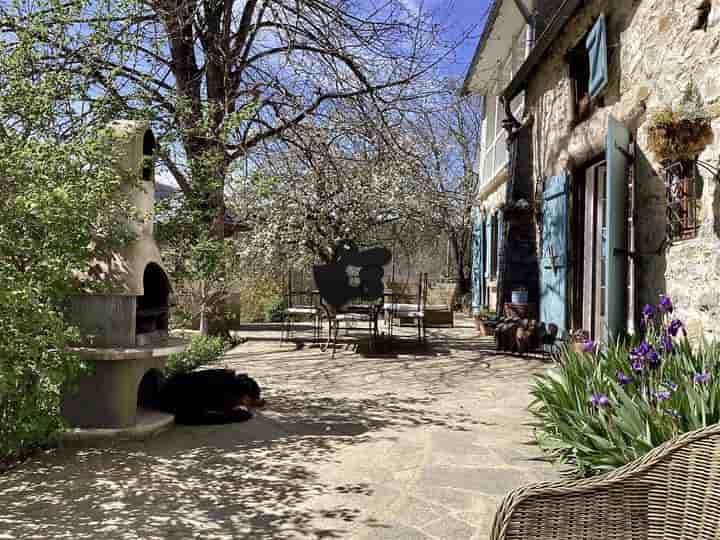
{"x": 442, "y": 139}
{"x": 58, "y": 214}
{"x": 195, "y": 69}
{"x": 335, "y": 178}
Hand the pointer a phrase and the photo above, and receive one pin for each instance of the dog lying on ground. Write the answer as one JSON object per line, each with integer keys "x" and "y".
{"x": 210, "y": 396}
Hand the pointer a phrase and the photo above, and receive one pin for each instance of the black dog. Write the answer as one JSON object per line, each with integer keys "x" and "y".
{"x": 211, "y": 396}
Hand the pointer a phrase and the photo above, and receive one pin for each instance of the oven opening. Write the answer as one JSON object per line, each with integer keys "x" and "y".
{"x": 148, "y": 395}
{"x": 153, "y": 307}
{"x": 148, "y": 155}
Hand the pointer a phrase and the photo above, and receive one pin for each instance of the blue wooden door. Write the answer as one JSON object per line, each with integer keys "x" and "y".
{"x": 614, "y": 238}
{"x": 478, "y": 265}
{"x": 554, "y": 261}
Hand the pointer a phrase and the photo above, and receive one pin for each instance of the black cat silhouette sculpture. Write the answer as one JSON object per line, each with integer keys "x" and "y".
{"x": 334, "y": 280}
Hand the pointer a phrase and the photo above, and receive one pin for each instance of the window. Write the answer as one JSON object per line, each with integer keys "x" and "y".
{"x": 683, "y": 184}
{"x": 580, "y": 80}
{"x": 588, "y": 70}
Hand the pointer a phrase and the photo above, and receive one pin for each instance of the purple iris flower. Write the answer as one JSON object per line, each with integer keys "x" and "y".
{"x": 701, "y": 377}
{"x": 665, "y": 304}
{"x": 623, "y": 379}
{"x": 638, "y": 366}
{"x": 673, "y": 387}
{"x": 599, "y": 401}
{"x": 589, "y": 346}
{"x": 648, "y": 312}
{"x": 640, "y": 351}
{"x": 653, "y": 360}
{"x": 675, "y": 327}
{"x": 667, "y": 343}
{"x": 662, "y": 396}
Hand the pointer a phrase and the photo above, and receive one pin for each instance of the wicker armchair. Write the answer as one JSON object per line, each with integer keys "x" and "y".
{"x": 671, "y": 493}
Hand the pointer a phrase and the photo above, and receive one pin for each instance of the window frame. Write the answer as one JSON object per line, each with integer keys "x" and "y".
{"x": 683, "y": 212}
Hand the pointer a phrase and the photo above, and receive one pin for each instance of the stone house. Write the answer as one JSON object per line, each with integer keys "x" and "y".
{"x": 618, "y": 140}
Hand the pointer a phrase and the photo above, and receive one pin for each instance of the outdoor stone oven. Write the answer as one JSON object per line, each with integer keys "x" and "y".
{"x": 125, "y": 329}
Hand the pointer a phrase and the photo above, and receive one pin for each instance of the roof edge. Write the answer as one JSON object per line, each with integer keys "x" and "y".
{"x": 484, "y": 37}
{"x": 542, "y": 45}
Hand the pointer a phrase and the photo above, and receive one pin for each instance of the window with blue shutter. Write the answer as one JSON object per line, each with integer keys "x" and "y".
{"x": 478, "y": 269}
{"x": 588, "y": 69}
{"x": 596, "y": 44}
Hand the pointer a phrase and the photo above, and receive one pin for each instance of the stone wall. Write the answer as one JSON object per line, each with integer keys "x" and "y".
{"x": 653, "y": 56}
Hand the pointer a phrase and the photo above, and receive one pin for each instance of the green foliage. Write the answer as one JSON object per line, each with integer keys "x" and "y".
{"x": 601, "y": 409}
{"x": 275, "y": 307}
{"x": 59, "y": 212}
{"x": 202, "y": 351}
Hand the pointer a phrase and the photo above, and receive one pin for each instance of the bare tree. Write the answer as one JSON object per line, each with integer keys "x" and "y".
{"x": 336, "y": 178}
{"x": 220, "y": 77}
{"x": 444, "y": 139}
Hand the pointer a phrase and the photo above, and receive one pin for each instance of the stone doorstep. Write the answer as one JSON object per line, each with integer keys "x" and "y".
{"x": 148, "y": 424}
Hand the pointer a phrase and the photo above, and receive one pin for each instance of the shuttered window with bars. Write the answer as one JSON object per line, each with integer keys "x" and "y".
{"x": 683, "y": 184}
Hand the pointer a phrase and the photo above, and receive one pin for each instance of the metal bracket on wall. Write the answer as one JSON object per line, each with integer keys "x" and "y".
{"x": 659, "y": 251}
{"x": 629, "y": 154}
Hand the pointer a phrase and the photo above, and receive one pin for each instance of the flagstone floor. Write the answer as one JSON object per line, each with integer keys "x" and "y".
{"x": 422, "y": 444}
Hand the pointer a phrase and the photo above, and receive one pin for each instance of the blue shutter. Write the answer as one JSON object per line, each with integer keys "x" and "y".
{"x": 617, "y": 140}
{"x": 554, "y": 261}
{"x": 488, "y": 249}
{"x": 501, "y": 233}
{"x": 596, "y": 45}
{"x": 478, "y": 269}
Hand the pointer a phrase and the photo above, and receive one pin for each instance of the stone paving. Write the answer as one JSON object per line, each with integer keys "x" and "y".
{"x": 421, "y": 444}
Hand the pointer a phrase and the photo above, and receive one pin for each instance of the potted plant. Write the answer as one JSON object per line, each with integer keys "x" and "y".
{"x": 481, "y": 317}
{"x": 682, "y": 132}
{"x": 580, "y": 340}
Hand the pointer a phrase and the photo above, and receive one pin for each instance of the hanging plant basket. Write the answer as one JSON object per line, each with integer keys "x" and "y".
{"x": 675, "y": 137}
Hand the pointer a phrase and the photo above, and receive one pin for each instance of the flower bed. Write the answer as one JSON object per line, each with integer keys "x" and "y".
{"x": 607, "y": 405}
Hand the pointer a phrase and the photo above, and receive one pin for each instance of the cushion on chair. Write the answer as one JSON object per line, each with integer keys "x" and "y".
{"x": 400, "y": 308}
{"x": 352, "y": 317}
{"x": 301, "y": 311}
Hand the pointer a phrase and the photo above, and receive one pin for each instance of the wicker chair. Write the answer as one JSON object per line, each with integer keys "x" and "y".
{"x": 671, "y": 493}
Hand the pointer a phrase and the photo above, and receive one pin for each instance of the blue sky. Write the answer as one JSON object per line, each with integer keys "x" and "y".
{"x": 459, "y": 16}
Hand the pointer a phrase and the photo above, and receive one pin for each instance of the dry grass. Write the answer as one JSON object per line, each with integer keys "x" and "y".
{"x": 675, "y": 136}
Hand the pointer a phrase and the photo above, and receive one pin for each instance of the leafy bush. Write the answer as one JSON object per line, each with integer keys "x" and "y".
{"x": 609, "y": 405}
{"x": 274, "y": 308}
{"x": 60, "y": 213}
{"x": 201, "y": 351}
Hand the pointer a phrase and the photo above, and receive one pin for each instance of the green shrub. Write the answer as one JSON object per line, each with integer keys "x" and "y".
{"x": 202, "y": 350}
{"x": 274, "y": 307}
{"x": 609, "y": 405}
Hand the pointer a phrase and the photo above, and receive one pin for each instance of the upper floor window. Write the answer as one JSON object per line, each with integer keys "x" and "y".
{"x": 588, "y": 71}
{"x": 684, "y": 185}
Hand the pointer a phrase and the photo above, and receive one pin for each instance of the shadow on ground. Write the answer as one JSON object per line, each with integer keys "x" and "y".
{"x": 245, "y": 480}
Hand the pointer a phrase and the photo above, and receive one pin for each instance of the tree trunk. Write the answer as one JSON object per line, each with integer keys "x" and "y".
{"x": 204, "y": 326}
{"x": 459, "y": 257}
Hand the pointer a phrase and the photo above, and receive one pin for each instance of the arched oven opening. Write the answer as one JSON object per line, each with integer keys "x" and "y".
{"x": 148, "y": 395}
{"x": 153, "y": 307}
